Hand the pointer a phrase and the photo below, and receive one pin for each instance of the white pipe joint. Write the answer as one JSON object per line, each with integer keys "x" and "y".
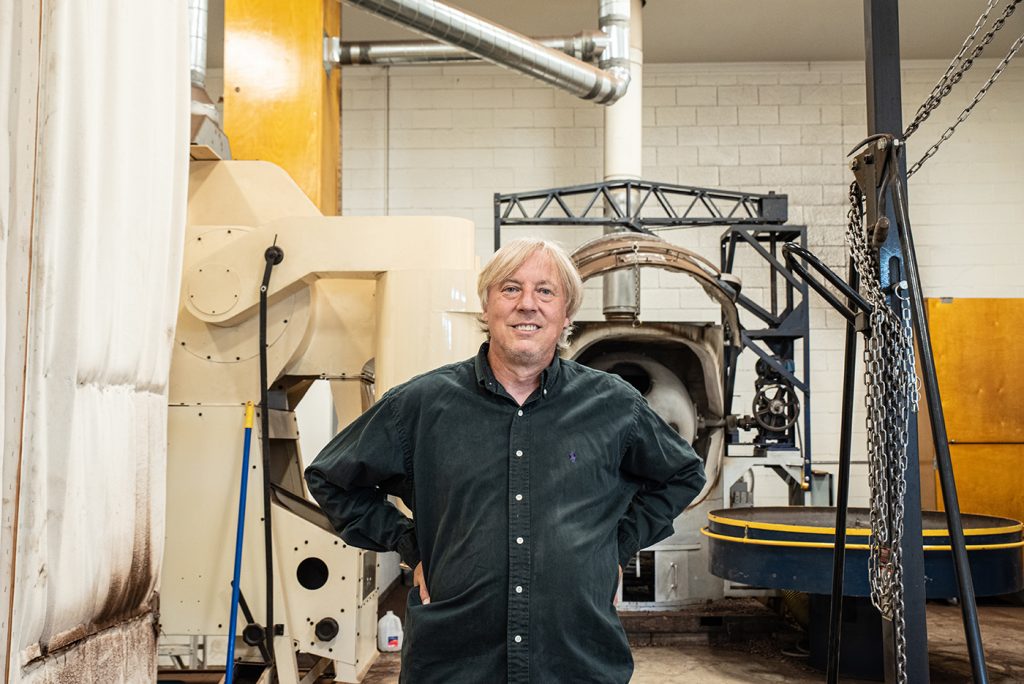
{"x": 614, "y": 23}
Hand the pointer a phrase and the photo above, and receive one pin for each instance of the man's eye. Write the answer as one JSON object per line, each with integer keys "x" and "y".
{"x": 510, "y": 289}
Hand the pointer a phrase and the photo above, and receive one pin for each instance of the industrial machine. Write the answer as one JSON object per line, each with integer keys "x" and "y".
{"x": 343, "y": 295}
{"x": 688, "y": 369}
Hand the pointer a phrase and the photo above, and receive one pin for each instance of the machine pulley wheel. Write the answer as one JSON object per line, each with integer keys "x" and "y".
{"x": 776, "y": 407}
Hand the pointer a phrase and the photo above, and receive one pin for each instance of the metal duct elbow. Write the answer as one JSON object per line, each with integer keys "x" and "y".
{"x": 614, "y": 24}
{"x": 507, "y": 48}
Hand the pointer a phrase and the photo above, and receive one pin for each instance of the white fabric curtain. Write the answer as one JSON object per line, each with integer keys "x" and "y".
{"x": 94, "y": 98}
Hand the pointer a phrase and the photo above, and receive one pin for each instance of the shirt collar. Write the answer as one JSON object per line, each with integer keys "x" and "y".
{"x": 485, "y": 376}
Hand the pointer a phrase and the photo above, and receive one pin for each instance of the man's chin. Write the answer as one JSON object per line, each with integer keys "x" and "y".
{"x": 527, "y": 355}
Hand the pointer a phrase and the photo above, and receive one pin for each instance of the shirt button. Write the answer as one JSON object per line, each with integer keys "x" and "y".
{"x": 519, "y": 497}
{"x": 518, "y": 638}
{"x": 519, "y": 452}
{"x": 519, "y": 412}
{"x": 545, "y": 392}
{"x": 519, "y": 540}
{"x": 519, "y": 590}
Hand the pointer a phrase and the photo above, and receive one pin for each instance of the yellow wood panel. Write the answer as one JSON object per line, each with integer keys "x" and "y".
{"x": 330, "y": 142}
{"x": 280, "y": 105}
{"x": 978, "y": 349}
{"x": 989, "y": 479}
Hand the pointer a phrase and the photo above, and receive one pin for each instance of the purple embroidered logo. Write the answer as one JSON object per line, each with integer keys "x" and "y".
{"x": 572, "y": 456}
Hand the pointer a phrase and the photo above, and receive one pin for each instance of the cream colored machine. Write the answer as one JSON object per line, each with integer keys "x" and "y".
{"x": 398, "y": 291}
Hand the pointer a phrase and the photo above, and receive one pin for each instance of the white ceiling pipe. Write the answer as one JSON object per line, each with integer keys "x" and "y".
{"x": 507, "y": 48}
{"x": 198, "y": 22}
{"x": 586, "y": 46}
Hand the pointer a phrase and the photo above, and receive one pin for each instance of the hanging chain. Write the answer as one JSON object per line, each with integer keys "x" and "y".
{"x": 960, "y": 65}
{"x": 636, "y": 285}
{"x": 891, "y": 387}
{"x": 1014, "y": 49}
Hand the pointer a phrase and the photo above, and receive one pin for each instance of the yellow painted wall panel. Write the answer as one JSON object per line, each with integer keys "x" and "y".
{"x": 330, "y": 141}
{"x": 978, "y": 349}
{"x": 989, "y": 479}
{"x": 280, "y": 104}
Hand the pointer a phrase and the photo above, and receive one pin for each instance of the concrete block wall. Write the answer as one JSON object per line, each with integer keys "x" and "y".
{"x": 442, "y": 140}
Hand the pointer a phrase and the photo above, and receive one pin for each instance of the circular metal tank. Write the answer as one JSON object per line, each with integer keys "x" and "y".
{"x": 792, "y": 547}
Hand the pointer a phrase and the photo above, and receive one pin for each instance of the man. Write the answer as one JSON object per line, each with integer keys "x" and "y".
{"x": 532, "y": 481}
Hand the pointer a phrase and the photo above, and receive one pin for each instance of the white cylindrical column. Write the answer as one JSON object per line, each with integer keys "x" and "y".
{"x": 623, "y": 160}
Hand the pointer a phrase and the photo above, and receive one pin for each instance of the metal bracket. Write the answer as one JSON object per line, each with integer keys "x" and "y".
{"x": 332, "y": 53}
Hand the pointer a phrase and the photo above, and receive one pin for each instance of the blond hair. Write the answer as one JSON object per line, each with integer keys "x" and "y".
{"x": 514, "y": 254}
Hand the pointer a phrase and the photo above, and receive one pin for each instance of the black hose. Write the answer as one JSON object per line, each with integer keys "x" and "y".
{"x": 274, "y": 255}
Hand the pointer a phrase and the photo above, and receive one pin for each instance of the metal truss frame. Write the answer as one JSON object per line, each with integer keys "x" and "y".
{"x": 636, "y": 205}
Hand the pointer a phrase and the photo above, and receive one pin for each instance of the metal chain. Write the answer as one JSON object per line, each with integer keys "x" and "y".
{"x": 955, "y": 73}
{"x": 636, "y": 285}
{"x": 891, "y": 387}
{"x": 967, "y": 110}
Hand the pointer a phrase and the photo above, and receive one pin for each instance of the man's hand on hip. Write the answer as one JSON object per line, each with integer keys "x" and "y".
{"x": 419, "y": 581}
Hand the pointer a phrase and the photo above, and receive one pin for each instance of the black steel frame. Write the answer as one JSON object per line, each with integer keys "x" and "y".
{"x": 786, "y": 323}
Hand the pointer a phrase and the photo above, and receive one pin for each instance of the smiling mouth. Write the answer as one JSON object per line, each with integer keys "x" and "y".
{"x": 526, "y": 327}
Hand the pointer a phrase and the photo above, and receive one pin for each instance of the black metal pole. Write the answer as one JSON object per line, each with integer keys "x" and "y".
{"x": 274, "y": 255}
{"x": 961, "y": 565}
{"x": 497, "y": 222}
{"x": 855, "y": 303}
{"x": 845, "y": 455}
{"x": 885, "y": 115}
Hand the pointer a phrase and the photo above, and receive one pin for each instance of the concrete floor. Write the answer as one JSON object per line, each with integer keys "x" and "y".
{"x": 762, "y": 661}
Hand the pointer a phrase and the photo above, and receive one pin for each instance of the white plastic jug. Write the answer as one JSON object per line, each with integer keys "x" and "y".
{"x": 389, "y": 633}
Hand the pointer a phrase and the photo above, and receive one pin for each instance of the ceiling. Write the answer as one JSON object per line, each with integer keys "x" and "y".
{"x": 712, "y": 30}
{"x": 726, "y": 30}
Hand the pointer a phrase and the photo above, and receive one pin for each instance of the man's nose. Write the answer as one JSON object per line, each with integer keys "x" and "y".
{"x": 527, "y": 300}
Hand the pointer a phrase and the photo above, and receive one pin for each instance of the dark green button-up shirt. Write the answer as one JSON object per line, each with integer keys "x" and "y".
{"x": 522, "y": 515}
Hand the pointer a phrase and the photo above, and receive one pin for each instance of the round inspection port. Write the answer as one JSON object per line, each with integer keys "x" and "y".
{"x": 326, "y": 629}
{"x": 312, "y": 573}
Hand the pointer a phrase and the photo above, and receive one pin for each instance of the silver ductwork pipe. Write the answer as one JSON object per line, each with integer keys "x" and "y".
{"x": 507, "y": 48}
{"x": 198, "y": 21}
{"x": 623, "y": 160}
{"x": 586, "y": 46}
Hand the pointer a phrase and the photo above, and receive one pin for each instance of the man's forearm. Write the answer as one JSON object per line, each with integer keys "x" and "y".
{"x": 364, "y": 518}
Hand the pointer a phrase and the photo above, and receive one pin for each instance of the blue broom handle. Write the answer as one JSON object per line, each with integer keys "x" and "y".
{"x": 233, "y": 622}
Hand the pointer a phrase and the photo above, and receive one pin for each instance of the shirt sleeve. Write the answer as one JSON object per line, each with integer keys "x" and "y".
{"x": 669, "y": 473}
{"x": 352, "y": 476}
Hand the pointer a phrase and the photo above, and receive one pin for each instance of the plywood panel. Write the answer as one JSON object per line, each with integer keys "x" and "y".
{"x": 989, "y": 479}
{"x": 978, "y": 350}
{"x": 280, "y": 104}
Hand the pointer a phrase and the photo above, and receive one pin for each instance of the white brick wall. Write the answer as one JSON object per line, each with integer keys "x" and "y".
{"x": 443, "y": 140}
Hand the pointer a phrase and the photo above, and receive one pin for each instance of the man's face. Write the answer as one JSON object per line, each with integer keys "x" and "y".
{"x": 526, "y": 313}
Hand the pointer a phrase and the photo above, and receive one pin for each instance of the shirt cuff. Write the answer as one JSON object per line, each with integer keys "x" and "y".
{"x": 627, "y": 548}
{"x": 409, "y": 549}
